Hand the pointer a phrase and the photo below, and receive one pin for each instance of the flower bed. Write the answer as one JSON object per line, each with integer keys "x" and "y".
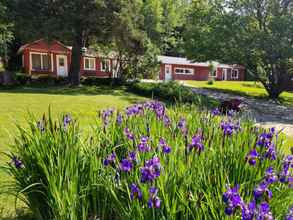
{"x": 149, "y": 162}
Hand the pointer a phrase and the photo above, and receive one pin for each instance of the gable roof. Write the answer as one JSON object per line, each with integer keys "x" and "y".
{"x": 89, "y": 52}
{"x": 185, "y": 61}
{"x": 20, "y": 50}
{"x": 180, "y": 61}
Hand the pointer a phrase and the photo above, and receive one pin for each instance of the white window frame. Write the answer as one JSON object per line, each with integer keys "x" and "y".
{"x": 108, "y": 63}
{"x": 184, "y": 71}
{"x": 89, "y": 58}
{"x": 237, "y": 71}
{"x": 41, "y": 54}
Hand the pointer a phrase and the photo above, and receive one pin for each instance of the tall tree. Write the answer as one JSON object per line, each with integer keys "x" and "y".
{"x": 130, "y": 38}
{"x": 173, "y": 21}
{"x": 6, "y": 34}
{"x": 255, "y": 33}
{"x": 153, "y": 14}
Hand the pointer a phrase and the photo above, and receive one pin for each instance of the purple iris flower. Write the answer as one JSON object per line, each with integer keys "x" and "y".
{"x": 290, "y": 182}
{"x": 154, "y": 201}
{"x": 182, "y": 123}
{"x": 216, "y": 112}
{"x": 106, "y": 114}
{"x": 251, "y": 157}
{"x": 119, "y": 118}
{"x": 110, "y": 159}
{"x": 143, "y": 146}
{"x": 165, "y": 148}
{"x": 196, "y": 143}
{"x": 126, "y": 165}
{"x": 166, "y": 121}
{"x": 263, "y": 212}
{"x": 289, "y": 216}
{"x": 265, "y": 139}
{"x": 128, "y": 134}
{"x": 232, "y": 199}
{"x": 182, "y": 126}
{"x": 248, "y": 211}
{"x": 135, "y": 192}
{"x": 270, "y": 152}
{"x": 270, "y": 176}
{"x": 67, "y": 120}
{"x": 136, "y": 109}
{"x": 151, "y": 170}
{"x": 17, "y": 162}
{"x": 231, "y": 113}
{"x": 157, "y": 107}
{"x": 262, "y": 190}
{"x": 132, "y": 156}
{"x": 229, "y": 128}
{"x": 286, "y": 166}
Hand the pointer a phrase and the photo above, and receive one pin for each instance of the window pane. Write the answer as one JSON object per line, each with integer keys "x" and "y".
{"x": 46, "y": 62}
{"x": 86, "y": 65}
{"x": 36, "y": 61}
{"x": 106, "y": 65}
{"x": 92, "y": 64}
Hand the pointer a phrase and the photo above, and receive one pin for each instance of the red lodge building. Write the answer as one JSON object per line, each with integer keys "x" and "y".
{"x": 53, "y": 59}
{"x": 176, "y": 68}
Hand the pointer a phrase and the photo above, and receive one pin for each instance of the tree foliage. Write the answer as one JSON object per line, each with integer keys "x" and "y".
{"x": 255, "y": 33}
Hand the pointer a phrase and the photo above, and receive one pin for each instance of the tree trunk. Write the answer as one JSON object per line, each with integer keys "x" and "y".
{"x": 274, "y": 90}
{"x": 74, "y": 72}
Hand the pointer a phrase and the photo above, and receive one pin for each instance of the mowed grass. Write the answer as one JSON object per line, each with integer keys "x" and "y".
{"x": 83, "y": 103}
{"x": 245, "y": 88}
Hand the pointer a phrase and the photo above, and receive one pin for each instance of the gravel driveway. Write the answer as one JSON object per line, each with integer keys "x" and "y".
{"x": 266, "y": 113}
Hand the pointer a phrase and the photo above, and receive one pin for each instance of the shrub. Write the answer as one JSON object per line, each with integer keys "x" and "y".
{"x": 43, "y": 80}
{"x": 93, "y": 80}
{"x": 21, "y": 78}
{"x": 210, "y": 82}
{"x": 172, "y": 92}
{"x": 150, "y": 163}
{"x": 1, "y": 78}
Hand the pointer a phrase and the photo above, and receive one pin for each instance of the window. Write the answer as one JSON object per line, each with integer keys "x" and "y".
{"x": 89, "y": 63}
{"x": 167, "y": 69}
{"x": 40, "y": 61}
{"x": 105, "y": 65}
{"x": 235, "y": 74}
{"x": 61, "y": 62}
{"x": 184, "y": 71}
{"x": 213, "y": 74}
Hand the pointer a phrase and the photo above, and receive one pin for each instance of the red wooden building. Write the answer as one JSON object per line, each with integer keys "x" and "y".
{"x": 53, "y": 59}
{"x": 176, "y": 68}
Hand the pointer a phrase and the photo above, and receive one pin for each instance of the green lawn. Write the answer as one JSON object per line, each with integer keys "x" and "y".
{"x": 246, "y": 88}
{"x": 15, "y": 104}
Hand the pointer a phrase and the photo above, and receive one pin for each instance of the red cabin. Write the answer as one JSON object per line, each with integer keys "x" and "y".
{"x": 176, "y": 68}
{"x": 53, "y": 59}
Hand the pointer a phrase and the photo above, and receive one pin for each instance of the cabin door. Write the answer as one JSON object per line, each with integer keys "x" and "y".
{"x": 62, "y": 67}
{"x": 225, "y": 72}
{"x": 168, "y": 72}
